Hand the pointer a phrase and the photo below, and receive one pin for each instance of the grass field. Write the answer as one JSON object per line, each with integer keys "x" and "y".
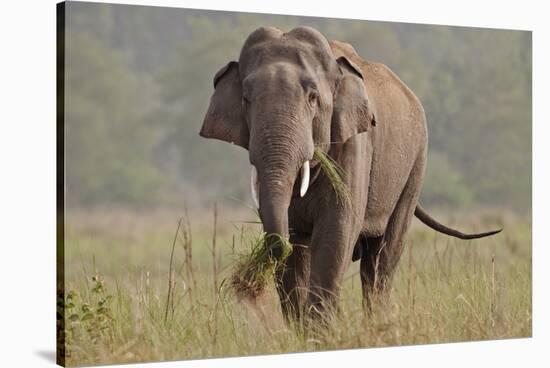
{"x": 127, "y": 302}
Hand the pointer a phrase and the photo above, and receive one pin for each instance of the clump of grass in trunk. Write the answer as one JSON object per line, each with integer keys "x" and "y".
{"x": 335, "y": 175}
{"x": 256, "y": 269}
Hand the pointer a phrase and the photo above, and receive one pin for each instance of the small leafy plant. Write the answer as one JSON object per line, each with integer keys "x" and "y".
{"x": 89, "y": 318}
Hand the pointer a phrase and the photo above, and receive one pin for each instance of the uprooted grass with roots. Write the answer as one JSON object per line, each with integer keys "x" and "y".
{"x": 255, "y": 270}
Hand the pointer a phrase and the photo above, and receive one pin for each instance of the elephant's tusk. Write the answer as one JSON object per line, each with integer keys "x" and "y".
{"x": 305, "y": 179}
{"x": 254, "y": 186}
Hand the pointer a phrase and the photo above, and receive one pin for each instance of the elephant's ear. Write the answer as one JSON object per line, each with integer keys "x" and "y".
{"x": 352, "y": 111}
{"x": 224, "y": 119}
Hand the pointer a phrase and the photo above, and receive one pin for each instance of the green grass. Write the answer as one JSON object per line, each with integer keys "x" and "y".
{"x": 335, "y": 176}
{"x": 118, "y": 280}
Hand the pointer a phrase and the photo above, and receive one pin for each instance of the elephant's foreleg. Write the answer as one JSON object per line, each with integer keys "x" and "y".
{"x": 332, "y": 245}
{"x": 292, "y": 280}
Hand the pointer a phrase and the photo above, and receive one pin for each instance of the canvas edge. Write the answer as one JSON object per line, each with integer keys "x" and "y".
{"x": 60, "y": 183}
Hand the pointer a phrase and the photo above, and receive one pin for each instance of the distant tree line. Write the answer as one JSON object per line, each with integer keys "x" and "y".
{"x": 139, "y": 79}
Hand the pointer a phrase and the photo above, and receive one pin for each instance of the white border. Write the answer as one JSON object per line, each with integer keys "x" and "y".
{"x": 27, "y": 185}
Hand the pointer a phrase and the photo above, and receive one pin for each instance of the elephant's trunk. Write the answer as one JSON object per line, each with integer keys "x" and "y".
{"x": 274, "y": 213}
{"x": 275, "y": 194}
{"x": 255, "y": 183}
{"x": 279, "y": 152}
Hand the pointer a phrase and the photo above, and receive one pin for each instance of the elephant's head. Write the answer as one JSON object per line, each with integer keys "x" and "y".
{"x": 285, "y": 96}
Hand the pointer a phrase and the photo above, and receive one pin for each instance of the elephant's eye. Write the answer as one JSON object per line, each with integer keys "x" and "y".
{"x": 245, "y": 101}
{"x": 312, "y": 97}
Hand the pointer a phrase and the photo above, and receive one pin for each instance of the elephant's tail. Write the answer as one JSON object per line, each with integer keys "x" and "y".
{"x": 428, "y": 220}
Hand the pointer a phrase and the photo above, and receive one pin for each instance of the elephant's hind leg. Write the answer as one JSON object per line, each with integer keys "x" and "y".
{"x": 369, "y": 269}
{"x": 381, "y": 255}
{"x": 292, "y": 281}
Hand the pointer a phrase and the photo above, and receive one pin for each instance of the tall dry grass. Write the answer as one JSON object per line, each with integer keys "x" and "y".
{"x": 138, "y": 290}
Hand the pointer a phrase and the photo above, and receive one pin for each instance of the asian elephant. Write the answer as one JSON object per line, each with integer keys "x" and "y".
{"x": 292, "y": 92}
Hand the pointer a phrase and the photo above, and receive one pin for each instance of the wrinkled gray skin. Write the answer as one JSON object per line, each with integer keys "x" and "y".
{"x": 291, "y": 92}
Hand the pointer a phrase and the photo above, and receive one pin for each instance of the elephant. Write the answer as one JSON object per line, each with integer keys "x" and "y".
{"x": 291, "y": 93}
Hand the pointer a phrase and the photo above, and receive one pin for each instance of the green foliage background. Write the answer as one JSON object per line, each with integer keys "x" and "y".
{"x": 138, "y": 81}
